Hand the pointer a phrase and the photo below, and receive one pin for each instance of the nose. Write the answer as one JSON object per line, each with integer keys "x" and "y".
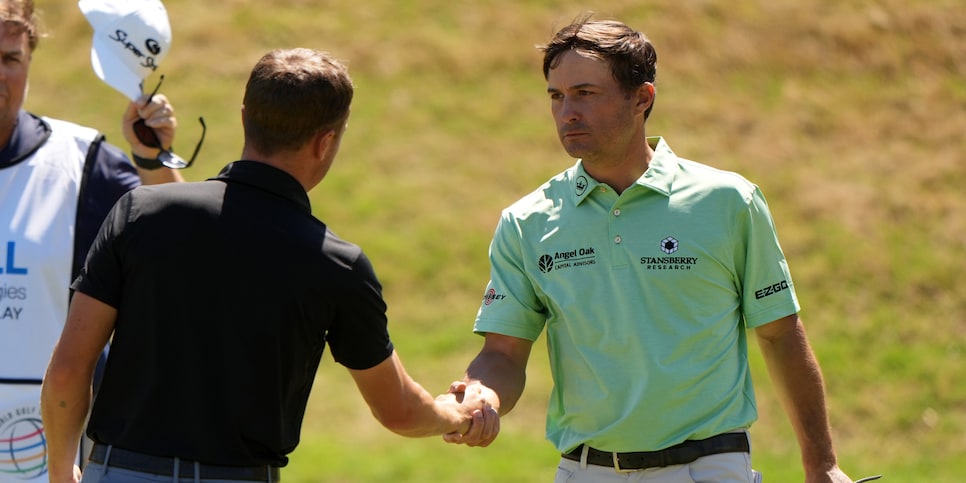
{"x": 567, "y": 112}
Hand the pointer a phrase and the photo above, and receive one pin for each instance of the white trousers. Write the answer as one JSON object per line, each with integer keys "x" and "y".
{"x": 716, "y": 468}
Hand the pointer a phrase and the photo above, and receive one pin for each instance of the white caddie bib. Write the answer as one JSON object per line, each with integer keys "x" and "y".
{"x": 37, "y": 216}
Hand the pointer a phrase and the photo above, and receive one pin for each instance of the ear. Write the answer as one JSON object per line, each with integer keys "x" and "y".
{"x": 322, "y": 143}
{"x": 645, "y": 96}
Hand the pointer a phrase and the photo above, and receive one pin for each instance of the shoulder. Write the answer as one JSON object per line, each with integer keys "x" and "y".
{"x": 546, "y": 198}
{"x": 111, "y": 167}
{"x": 111, "y": 163}
{"x": 63, "y": 128}
{"x": 694, "y": 176}
{"x": 344, "y": 253}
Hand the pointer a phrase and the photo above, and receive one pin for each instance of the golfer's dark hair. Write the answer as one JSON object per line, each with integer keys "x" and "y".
{"x": 632, "y": 58}
{"x": 293, "y": 95}
{"x": 20, "y": 14}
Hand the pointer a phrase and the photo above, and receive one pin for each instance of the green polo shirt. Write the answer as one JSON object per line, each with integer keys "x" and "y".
{"x": 645, "y": 297}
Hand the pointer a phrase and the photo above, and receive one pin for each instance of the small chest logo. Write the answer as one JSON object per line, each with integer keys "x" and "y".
{"x": 580, "y": 185}
{"x": 669, "y": 245}
{"x": 579, "y": 257}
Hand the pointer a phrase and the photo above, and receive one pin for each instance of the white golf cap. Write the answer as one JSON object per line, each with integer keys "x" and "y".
{"x": 131, "y": 37}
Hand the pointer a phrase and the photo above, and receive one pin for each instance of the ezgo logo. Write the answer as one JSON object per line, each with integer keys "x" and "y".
{"x": 23, "y": 445}
{"x": 771, "y": 289}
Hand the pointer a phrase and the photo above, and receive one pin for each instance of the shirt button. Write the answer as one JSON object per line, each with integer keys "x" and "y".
{"x": 617, "y": 239}
{"x": 603, "y": 189}
{"x": 617, "y": 212}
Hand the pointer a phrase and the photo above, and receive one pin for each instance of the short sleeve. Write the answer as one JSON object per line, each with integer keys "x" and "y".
{"x": 359, "y": 338}
{"x": 511, "y": 305}
{"x": 768, "y": 292}
{"x": 101, "y": 275}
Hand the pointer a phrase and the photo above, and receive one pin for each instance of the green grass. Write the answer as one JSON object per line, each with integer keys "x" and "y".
{"x": 850, "y": 115}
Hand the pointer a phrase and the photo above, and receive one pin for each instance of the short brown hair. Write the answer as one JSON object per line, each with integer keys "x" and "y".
{"x": 632, "y": 57}
{"x": 21, "y": 14}
{"x": 292, "y": 95}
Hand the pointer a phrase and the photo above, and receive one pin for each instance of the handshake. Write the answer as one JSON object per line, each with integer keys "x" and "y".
{"x": 473, "y": 407}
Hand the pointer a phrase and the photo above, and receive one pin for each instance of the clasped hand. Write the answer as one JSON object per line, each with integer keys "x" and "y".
{"x": 482, "y": 423}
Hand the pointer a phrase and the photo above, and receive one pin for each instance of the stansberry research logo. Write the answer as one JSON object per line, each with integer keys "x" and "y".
{"x": 669, "y": 245}
{"x": 23, "y": 444}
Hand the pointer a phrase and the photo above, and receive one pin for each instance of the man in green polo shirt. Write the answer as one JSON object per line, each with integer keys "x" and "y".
{"x": 645, "y": 269}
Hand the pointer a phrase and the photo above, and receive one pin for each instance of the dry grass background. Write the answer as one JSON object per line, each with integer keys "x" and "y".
{"x": 849, "y": 114}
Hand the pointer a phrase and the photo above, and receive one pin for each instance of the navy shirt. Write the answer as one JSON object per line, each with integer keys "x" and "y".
{"x": 227, "y": 292}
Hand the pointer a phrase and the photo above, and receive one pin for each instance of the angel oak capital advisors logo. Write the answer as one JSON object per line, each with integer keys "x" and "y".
{"x": 578, "y": 257}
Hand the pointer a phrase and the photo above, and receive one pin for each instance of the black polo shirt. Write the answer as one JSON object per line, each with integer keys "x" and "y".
{"x": 227, "y": 291}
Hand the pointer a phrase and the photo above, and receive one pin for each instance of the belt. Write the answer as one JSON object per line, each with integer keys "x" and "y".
{"x": 679, "y": 454}
{"x": 161, "y": 465}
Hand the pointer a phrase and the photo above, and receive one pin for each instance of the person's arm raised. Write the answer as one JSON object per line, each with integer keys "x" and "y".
{"x": 158, "y": 114}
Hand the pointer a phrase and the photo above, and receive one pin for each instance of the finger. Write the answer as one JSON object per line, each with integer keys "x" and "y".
{"x": 131, "y": 113}
{"x": 453, "y": 438}
{"x": 457, "y": 386}
{"x": 493, "y": 425}
{"x": 485, "y": 426}
{"x": 475, "y": 430}
{"x": 156, "y": 107}
{"x": 489, "y": 428}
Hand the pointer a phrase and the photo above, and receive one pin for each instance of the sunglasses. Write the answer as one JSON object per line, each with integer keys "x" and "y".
{"x": 149, "y": 138}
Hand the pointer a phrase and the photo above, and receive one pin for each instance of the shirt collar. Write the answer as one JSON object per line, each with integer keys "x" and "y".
{"x": 267, "y": 178}
{"x": 658, "y": 177}
{"x": 29, "y": 134}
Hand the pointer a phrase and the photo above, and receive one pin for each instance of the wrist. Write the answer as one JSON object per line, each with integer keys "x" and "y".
{"x": 146, "y": 163}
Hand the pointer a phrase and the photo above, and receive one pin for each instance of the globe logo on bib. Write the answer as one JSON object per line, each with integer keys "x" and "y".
{"x": 23, "y": 448}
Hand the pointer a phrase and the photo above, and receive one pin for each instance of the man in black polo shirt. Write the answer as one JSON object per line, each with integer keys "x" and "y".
{"x": 220, "y": 297}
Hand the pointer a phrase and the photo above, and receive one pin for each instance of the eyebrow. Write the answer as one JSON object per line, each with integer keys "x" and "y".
{"x": 573, "y": 88}
{"x": 14, "y": 51}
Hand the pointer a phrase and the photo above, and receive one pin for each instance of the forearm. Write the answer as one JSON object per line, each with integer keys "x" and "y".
{"x": 402, "y": 405}
{"x": 504, "y": 377}
{"x": 65, "y": 401}
{"x": 424, "y": 415}
{"x": 797, "y": 377}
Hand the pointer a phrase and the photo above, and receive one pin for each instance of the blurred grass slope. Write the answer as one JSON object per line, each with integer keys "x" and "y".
{"x": 850, "y": 115}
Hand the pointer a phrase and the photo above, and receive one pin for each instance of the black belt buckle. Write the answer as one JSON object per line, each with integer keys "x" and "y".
{"x": 617, "y": 464}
